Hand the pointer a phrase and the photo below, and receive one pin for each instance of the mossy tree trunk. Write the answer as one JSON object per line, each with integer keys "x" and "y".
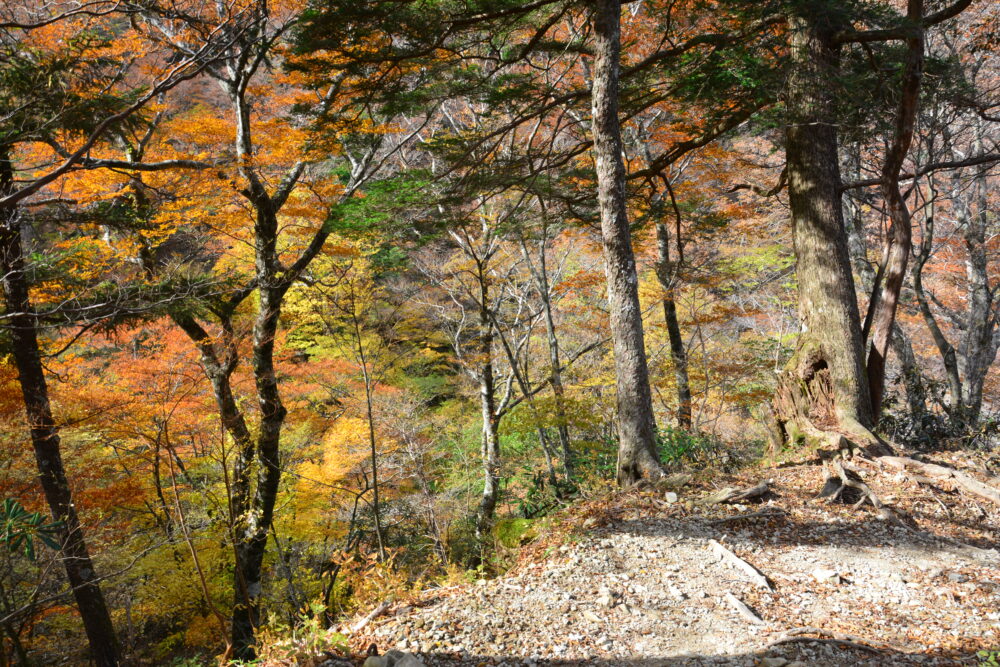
{"x": 823, "y": 394}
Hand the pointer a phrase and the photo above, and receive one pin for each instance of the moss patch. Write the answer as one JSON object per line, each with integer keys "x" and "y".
{"x": 512, "y": 533}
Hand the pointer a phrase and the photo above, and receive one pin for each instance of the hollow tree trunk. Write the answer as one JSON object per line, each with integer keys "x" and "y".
{"x": 637, "y": 456}
{"x": 45, "y": 440}
{"x": 823, "y": 392}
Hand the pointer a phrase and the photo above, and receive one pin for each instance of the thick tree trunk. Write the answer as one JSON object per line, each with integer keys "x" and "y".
{"x": 823, "y": 393}
{"x": 45, "y": 439}
{"x": 678, "y": 352}
{"x": 637, "y": 456}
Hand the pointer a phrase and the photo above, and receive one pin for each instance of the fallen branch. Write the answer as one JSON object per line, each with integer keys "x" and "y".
{"x": 921, "y": 472}
{"x": 743, "y": 610}
{"x": 731, "y": 495}
{"x": 675, "y": 481}
{"x": 372, "y": 615}
{"x": 755, "y": 575}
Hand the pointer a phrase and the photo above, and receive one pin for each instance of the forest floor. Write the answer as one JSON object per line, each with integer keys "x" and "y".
{"x": 634, "y": 578}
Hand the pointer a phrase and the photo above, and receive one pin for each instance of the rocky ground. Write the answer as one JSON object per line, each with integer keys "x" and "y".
{"x": 648, "y": 577}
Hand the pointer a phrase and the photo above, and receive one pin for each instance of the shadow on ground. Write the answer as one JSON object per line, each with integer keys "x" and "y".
{"x": 807, "y": 654}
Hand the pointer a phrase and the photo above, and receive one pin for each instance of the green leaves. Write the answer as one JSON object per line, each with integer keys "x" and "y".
{"x": 19, "y": 529}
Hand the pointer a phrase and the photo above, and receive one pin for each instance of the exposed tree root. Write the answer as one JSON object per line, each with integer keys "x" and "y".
{"x": 735, "y": 561}
{"x": 743, "y": 610}
{"x": 844, "y": 478}
{"x": 827, "y": 637}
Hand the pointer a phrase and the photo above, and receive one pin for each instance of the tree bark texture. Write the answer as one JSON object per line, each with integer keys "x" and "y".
{"x": 823, "y": 393}
{"x": 637, "y": 456}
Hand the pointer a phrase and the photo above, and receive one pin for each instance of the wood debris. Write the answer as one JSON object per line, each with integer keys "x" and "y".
{"x": 925, "y": 472}
{"x": 753, "y": 573}
{"x": 731, "y": 495}
{"x": 743, "y": 610}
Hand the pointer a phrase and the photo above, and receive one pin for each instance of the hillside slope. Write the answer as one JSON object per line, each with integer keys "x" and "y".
{"x": 648, "y": 578}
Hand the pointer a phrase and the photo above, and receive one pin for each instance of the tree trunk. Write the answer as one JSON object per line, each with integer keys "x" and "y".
{"x": 541, "y": 277}
{"x": 678, "y": 352}
{"x": 823, "y": 393}
{"x": 490, "y": 452}
{"x": 885, "y": 298}
{"x": 949, "y": 359}
{"x": 45, "y": 437}
{"x": 637, "y": 456}
{"x": 979, "y": 344}
{"x": 370, "y": 415}
{"x": 488, "y": 406}
{"x": 916, "y": 393}
{"x": 252, "y": 529}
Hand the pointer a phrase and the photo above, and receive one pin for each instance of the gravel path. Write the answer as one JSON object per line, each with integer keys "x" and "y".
{"x": 638, "y": 582}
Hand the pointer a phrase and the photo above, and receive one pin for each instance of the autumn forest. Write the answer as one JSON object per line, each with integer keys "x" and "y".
{"x": 309, "y": 305}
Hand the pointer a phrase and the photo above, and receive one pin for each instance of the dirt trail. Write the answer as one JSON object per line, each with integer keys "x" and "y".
{"x": 632, "y": 579}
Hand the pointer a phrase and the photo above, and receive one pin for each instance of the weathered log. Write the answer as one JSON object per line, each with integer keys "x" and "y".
{"x": 731, "y": 495}
{"x": 372, "y": 615}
